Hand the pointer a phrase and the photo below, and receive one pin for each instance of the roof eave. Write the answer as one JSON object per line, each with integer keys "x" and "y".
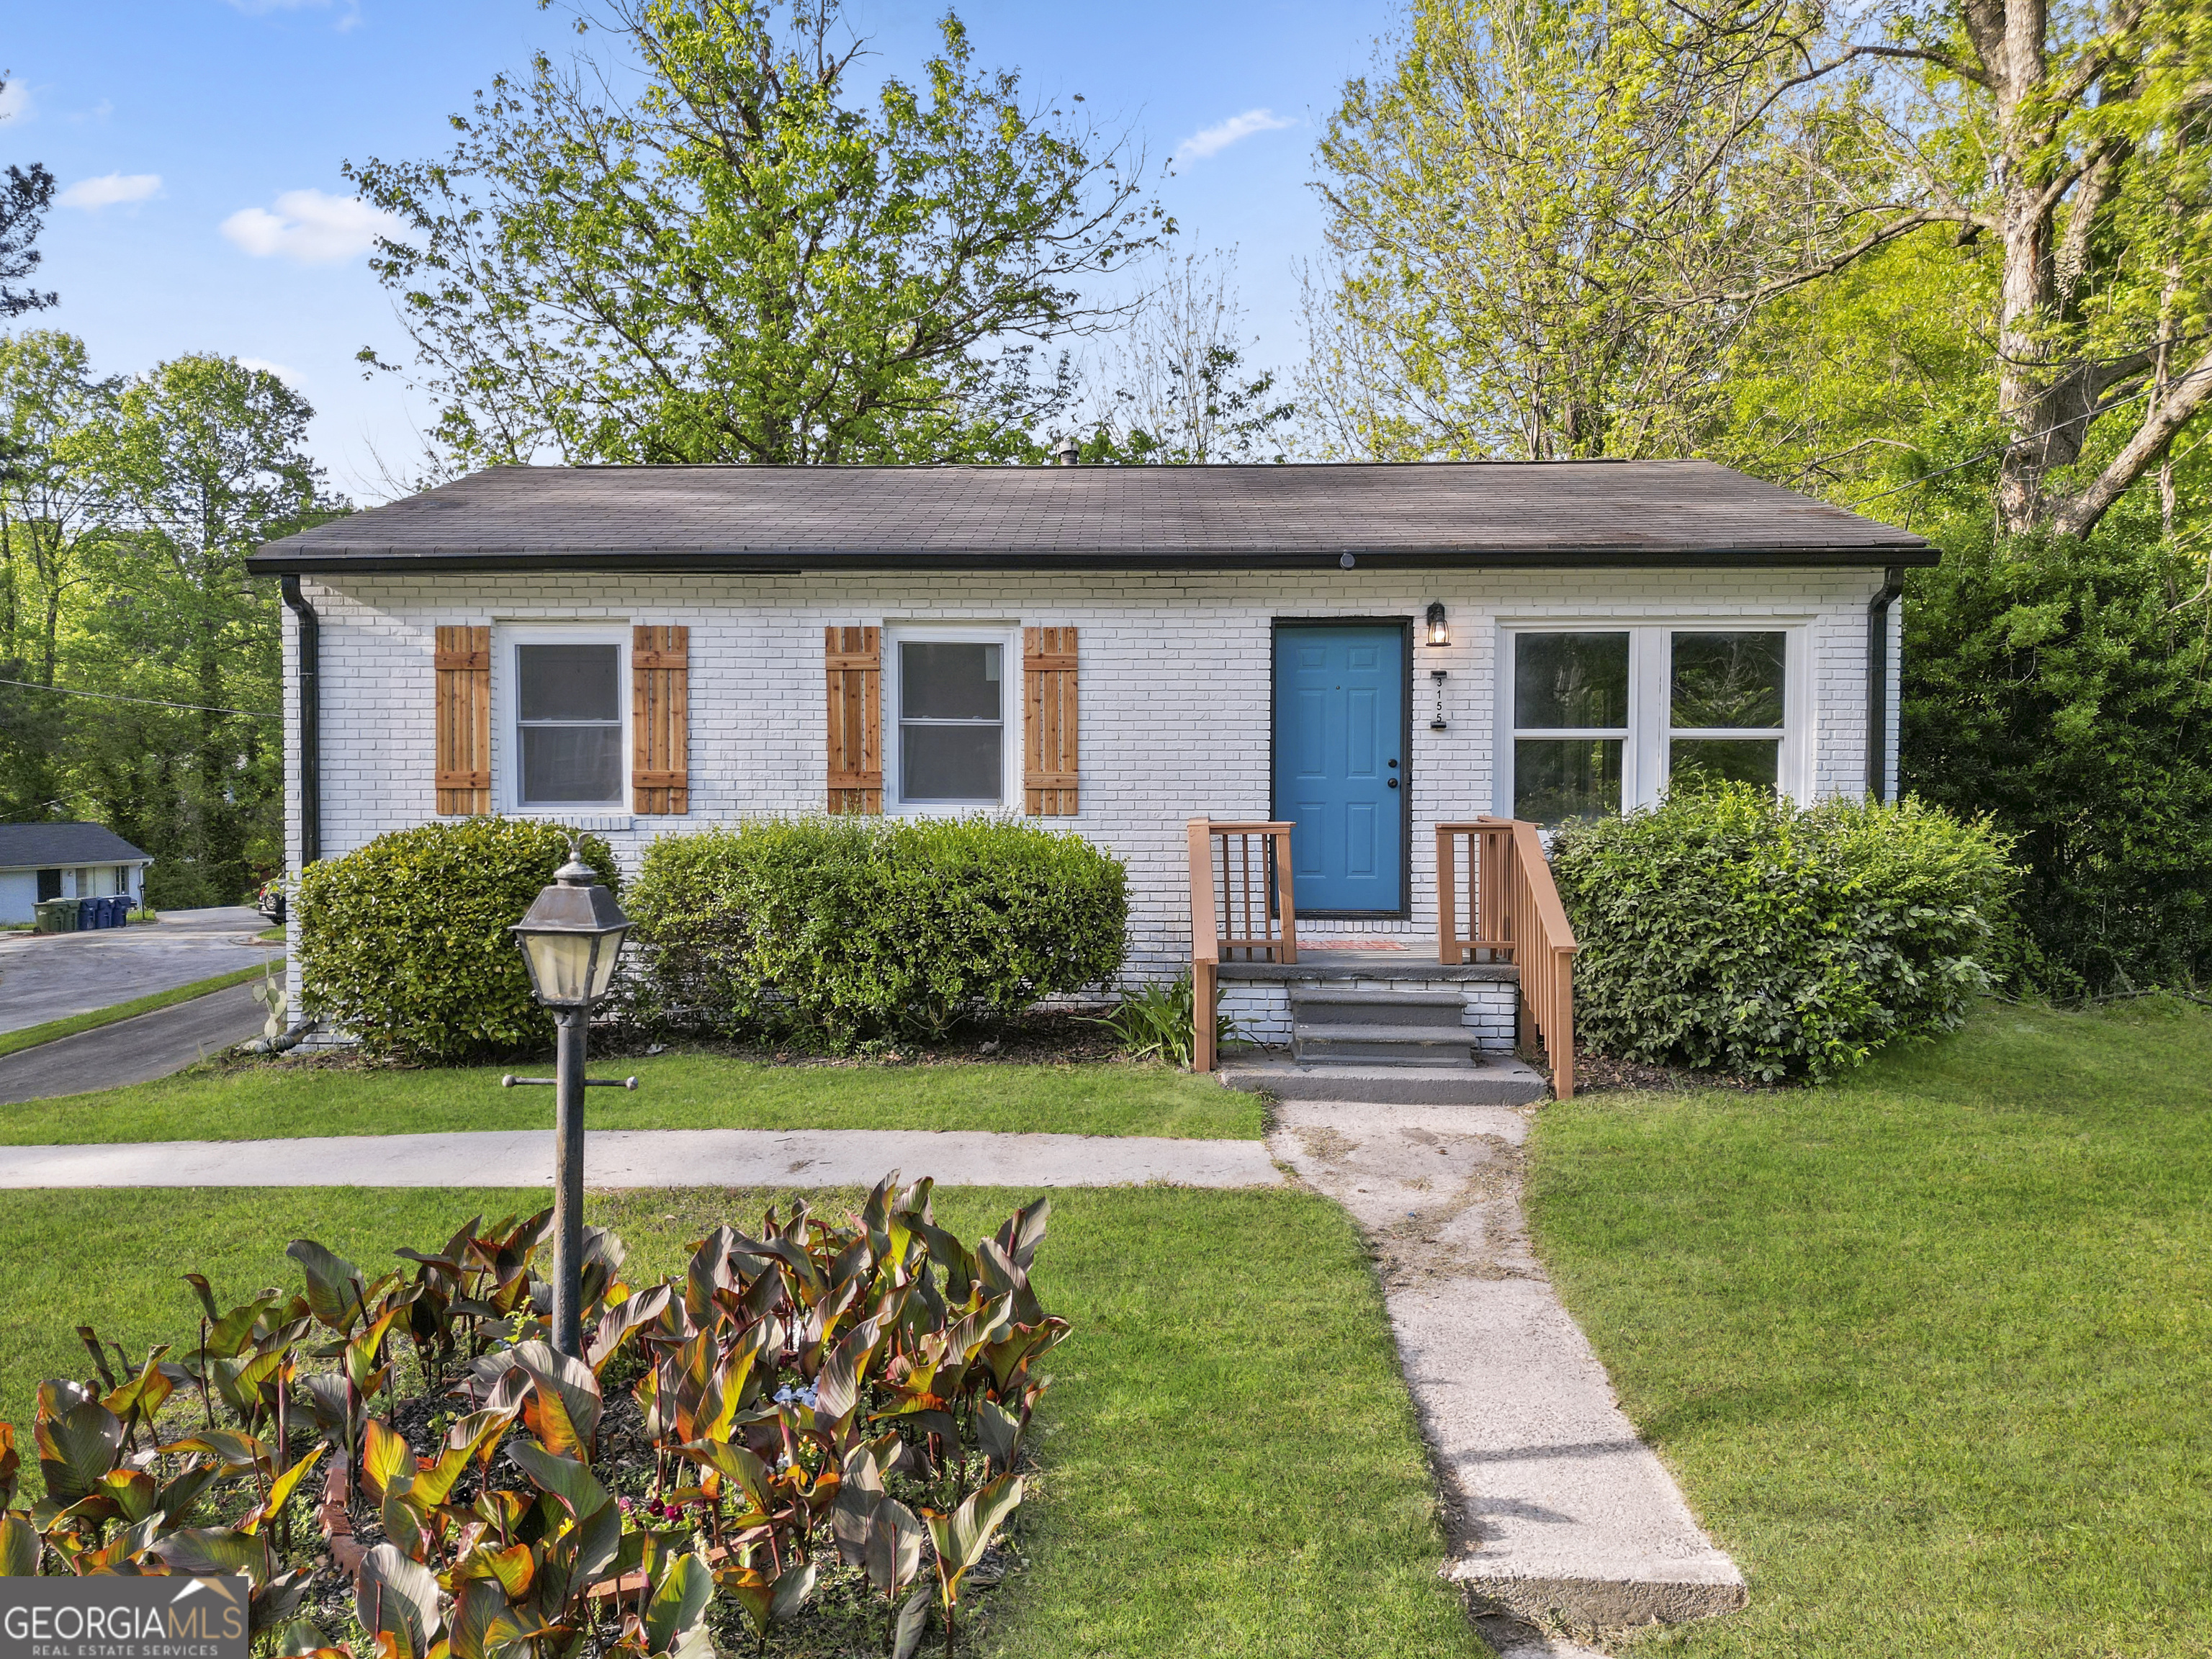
{"x": 279, "y": 560}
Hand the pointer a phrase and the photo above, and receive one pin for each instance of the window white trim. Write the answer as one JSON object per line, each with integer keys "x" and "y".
{"x": 506, "y": 695}
{"x": 1646, "y": 740}
{"x": 1008, "y": 638}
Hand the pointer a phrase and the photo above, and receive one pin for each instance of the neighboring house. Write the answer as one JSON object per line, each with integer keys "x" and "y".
{"x": 65, "y": 860}
{"x": 1115, "y": 651}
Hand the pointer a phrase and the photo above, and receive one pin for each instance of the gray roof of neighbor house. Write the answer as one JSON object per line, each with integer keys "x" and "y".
{"x": 764, "y": 519}
{"x": 45, "y": 846}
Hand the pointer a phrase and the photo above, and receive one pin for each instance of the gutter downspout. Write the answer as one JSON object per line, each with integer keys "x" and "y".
{"x": 311, "y": 706}
{"x": 1877, "y": 766}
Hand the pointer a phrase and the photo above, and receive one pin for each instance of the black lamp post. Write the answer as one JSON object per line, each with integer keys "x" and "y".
{"x": 571, "y": 938}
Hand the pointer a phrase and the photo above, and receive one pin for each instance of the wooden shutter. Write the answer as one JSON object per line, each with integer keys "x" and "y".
{"x": 463, "y": 665}
{"x": 660, "y": 720}
{"x": 1048, "y": 721}
{"x": 853, "y": 658}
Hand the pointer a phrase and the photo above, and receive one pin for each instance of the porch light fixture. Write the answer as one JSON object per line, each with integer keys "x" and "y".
{"x": 571, "y": 938}
{"x": 1439, "y": 633}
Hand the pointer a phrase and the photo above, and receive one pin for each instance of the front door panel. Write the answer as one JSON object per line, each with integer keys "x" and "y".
{"x": 1339, "y": 764}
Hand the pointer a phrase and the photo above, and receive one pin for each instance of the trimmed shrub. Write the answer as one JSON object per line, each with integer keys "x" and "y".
{"x": 404, "y": 942}
{"x": 1728, "y": 929}
{"x": 843, "y": 930}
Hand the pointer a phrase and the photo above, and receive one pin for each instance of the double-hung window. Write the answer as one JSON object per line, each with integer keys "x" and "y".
{"x": 1570, "y": 730}
{"x": 568, "y": 734}
{"x": 1600, "y": 720}
{"x": 1726, "y": 694}
{"x": 955, "y": 719}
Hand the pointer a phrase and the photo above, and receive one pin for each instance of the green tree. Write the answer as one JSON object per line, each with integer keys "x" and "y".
{"x": 2075, "y": 138}
{"x": 51, "y": 405}
{"x": 1526, "y": 218}
{"x": 746, "y": 262}
{"x": 1553, "y": 219}
{"x": 201, "y": 461}
{"x": 26, "y": 193}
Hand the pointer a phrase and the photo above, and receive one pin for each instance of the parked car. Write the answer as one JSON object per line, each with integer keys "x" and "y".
{"x": 269, "y": 901}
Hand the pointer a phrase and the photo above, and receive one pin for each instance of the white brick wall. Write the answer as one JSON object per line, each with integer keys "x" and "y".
{"x": 1175, "y": 689}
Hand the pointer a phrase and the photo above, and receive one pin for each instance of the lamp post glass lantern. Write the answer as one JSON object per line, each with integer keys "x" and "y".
{"x": 571, "y": 939}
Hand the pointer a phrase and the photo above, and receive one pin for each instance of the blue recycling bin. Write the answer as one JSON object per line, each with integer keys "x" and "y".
{"x": 89, "y": 914}
{"x": 119, "y": 910}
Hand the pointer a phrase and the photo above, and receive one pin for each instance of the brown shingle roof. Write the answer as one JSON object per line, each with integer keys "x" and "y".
{"x": 736, "y": 518}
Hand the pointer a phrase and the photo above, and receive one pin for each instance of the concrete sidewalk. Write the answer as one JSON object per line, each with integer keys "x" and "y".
{"x": 652, "y": 1157}
{"x": 1558, "y": 1511}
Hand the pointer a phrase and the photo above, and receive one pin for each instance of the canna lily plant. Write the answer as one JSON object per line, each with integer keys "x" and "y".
{"x": 403, "y": 1467}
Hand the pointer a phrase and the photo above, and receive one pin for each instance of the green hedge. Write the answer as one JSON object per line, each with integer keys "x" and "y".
{"x": 404, "y": 942}
{"x": 844, "y": 930}
{"x": 1728, "y": 929}
{"x": 2064, "y": 689}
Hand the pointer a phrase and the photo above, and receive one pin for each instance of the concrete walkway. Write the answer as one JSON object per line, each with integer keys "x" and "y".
{"x": 134, "y": 1050}
{"x": 651, "y": 1158}
{"x": 1560, "y": 1511}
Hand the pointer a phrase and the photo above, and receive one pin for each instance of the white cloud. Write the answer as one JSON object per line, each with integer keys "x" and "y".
{"x": 285, "y": 372}
{"x": 16, "y": 102}
{"x": 109, "y": 189}
{"x": 1218, "y": 137}
{"x": 310, "y": 228}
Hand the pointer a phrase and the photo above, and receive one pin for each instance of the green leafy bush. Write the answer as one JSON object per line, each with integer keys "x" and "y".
{"x": 2064, "y": 689}
{"x": 806, "y": 1409}
{"x": 848, "y": 930}
{"x": 1729, "y": 929}
{"x": 404, "y": 942}
{"x": 1159, "y": 1021}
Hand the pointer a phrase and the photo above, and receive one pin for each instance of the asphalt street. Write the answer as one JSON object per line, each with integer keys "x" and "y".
{"x": 53, "y": 975}
{"x": 135, "y": 1050}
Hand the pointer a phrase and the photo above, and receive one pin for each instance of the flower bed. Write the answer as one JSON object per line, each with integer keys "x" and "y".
{"x": 825, "y": 1422}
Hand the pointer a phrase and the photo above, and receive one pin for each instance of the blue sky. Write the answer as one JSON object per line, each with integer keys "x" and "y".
{"x": 199, "y": 143}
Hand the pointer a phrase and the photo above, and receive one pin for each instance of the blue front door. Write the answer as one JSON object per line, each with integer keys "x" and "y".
{"x": 1339, "y": 764}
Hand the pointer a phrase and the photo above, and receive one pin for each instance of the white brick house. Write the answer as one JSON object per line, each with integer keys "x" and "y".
{"x": 1248, "y": 642}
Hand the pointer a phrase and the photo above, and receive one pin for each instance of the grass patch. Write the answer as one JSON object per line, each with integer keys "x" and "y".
{"x": 1230, "y": 1461}
{"x": 253, "y": 1102}
{"x": 32, "y": 1036}
{"x": 1931, "y": 1349}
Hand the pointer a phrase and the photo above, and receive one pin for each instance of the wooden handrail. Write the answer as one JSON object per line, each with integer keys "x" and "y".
{"x": 1514, "y": 914}
{"x": 1237, "y": 908}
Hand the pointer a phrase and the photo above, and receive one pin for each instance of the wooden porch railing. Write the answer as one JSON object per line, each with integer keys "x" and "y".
{"x": 1240, "y": 909}
{"x": 1512, "y": 912}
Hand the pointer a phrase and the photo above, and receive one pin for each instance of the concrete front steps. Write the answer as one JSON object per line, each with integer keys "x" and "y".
{"x": 1381, "y": 1047}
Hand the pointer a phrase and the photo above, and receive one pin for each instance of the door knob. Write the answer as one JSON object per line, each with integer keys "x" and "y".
{"x": 1393, "y": 783}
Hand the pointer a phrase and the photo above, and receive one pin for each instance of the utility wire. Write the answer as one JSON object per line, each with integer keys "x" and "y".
{"x": 146, "y": 703}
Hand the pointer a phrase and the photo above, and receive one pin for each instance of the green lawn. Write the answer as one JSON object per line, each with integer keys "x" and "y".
{"x": 674, "y": 1091}
{"x": 1231, "y": 1464}
{"x": 1931, "y": 1351}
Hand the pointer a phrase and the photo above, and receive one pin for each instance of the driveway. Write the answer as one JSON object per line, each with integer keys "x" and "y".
{"x": 46, "y": 976}
{"x": 135, "y": 1050}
